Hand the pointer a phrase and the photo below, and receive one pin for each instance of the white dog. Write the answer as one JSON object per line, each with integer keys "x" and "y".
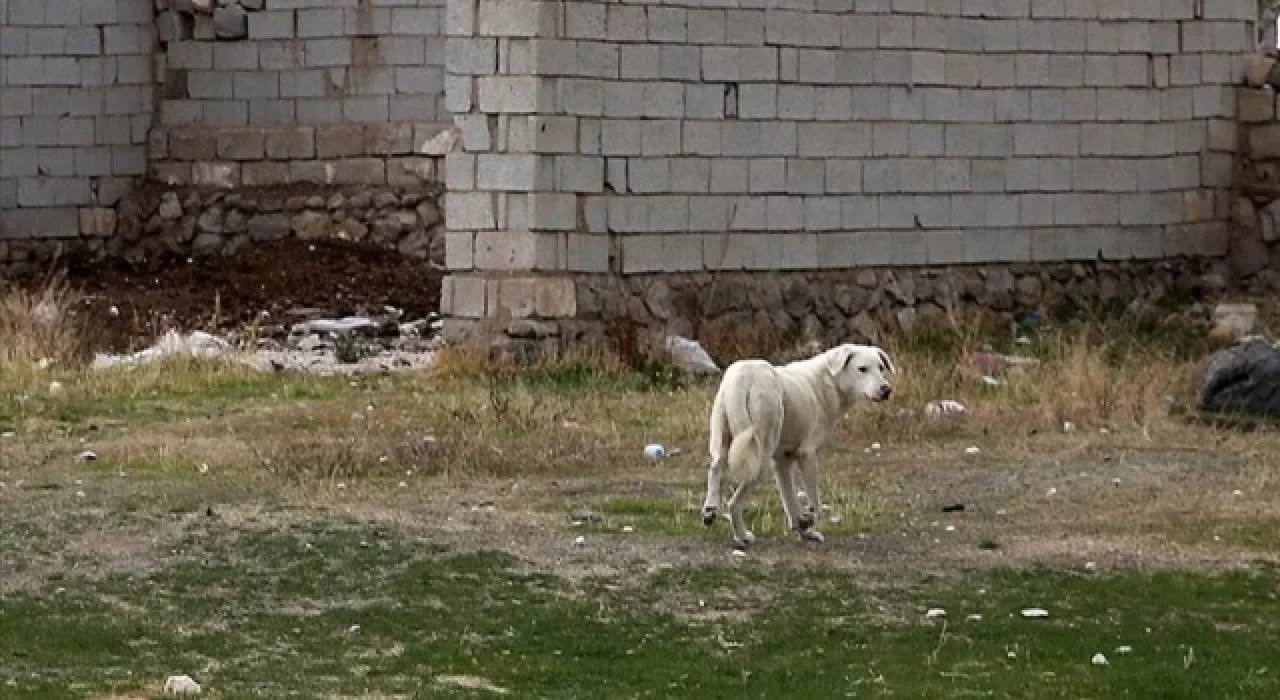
{"x": 776, "y": 418}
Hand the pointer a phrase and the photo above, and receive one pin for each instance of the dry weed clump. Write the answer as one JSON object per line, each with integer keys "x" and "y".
{"x": 39, "y": 330}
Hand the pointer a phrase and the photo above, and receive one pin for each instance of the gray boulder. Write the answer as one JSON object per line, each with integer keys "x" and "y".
{"x": 1242, "y": 379}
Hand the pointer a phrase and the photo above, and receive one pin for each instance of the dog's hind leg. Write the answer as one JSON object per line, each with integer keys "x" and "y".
{"x": 719, "y": 451}
{"x": 741, "y": 535}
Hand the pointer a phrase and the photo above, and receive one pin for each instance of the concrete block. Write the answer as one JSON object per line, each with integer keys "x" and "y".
{"x": 648, "y": 175}
{"x": 705, "y": 26}
{"x": 620, "y": 137}
{"x": 668, "y": 214}
{"x": 470, "y": 211}
{"x": 628, "y": 215}
{"x": 264, "y": 174}
{"x": 241, "y": 144}
{"x": 579, "y": 174}
{"x": 271, "y": 25}
{"x": 626, "y": 23}
{"x": 701, "y": 138}
{"x": 987, "y": 245}
{"x": 660, "y": 137}
{"x": 667, "y": 24}
{"x": 704, "y": 101}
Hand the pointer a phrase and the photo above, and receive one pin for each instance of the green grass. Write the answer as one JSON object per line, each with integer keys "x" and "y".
{"x": 267, "y": 614}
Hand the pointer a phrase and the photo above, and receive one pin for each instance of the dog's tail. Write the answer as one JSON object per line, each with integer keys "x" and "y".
{"x": 747, "y": 456}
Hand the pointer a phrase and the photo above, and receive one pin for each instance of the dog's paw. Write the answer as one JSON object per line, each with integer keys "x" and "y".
{"x": 709, "y": 515}
{"x": 812, "y": 536}
{"x": 805, "y": 521}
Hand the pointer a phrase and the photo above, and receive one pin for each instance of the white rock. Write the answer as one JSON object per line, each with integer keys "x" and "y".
{"x": 580, "y": 540}
{"x": 737, "y": 553}
{"x": 972, "y": 450}
{"x": 628, "y": 529}
{"x": 1090, "y": 566}
{"x": 56, "y": 388}
{"x": 181, "y": 685}
{"x": 1068, "y": 427}
{"x": 87, "y": 456}
{"x": 935, "y": 612}
{"x": 690, "y": 356}
{"x": 1124, "y": 649}
{"x": 1053, "y": 491}
{"x": 875, "y": 445}
{"x": 951, "y": 528}
{"x": 1099, "y": 660}
{"x": 1035, "y": 613}
{"x": 944, "y": 407}
{"x": 1237, "y": 492}
{"x": 654, "y": 452}
{"x": 204, "y": 468}
{"x": 973, "y": 617}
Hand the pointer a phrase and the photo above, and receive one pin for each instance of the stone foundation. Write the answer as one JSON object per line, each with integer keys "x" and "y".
{"x": 739, "y": 310}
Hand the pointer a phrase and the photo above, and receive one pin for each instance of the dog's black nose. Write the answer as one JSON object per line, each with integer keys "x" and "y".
{"x": 886, "y": 392}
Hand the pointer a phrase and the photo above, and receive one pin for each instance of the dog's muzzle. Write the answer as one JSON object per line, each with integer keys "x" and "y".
{"x": 885, "y": 392}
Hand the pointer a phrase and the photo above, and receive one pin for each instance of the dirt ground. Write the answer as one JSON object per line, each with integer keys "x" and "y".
{"x": 219, "y": 295}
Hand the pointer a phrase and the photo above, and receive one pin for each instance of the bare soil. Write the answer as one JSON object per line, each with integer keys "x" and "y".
{"x": 224, "y": 294}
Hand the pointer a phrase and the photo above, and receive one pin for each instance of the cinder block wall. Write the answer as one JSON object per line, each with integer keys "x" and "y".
{"x": 1255, "y": 244}
{"x": 128, "y": 123}
{"x": 75, "y": 107}
{"x": 704, "y": 137}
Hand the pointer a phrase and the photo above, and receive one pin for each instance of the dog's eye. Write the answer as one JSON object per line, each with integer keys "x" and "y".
{"x": 862, "y": 369}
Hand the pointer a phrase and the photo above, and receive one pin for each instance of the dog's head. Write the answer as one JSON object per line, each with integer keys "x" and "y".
{"x": 860, "y": 371}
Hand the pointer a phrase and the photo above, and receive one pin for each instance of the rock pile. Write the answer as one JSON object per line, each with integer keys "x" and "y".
{"x": 220, "y": 223}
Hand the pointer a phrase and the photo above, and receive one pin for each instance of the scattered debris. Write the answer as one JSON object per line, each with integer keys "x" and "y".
{"x": 944, "y": 407}
{"x": 935, "y": 612}
{"x": 194, "y": 344}
{"x": 690, "y": 356}
{"x": 1100, "y": 660}
{"x": 1233, "y": 321}
{"x": 655, "y": 452}
{"x": 471, "y": 683}
{"x": 582, "y": 517}
{"x": 1035, "y": 613}
{"x": 181, "y": 685}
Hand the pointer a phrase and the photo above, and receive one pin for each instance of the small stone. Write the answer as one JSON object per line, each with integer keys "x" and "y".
{"x": 935, "y": 612}
{"x": 1035, "y": 613}
{"x": 181, "y": 685}
{"x": 207, "y": 244}
{"x": 972, "y": 450}
{"x": 170, "y": 208}
{"x": 269, "y": 227}
{"x": 1099, "y": 660}
{"x": 579, "y": 540}
{"x": 310, "y": 225}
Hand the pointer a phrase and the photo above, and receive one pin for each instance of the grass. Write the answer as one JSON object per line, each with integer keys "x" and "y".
{"x": 237, "y": 526}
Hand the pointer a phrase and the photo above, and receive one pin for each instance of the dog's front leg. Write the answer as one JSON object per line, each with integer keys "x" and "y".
{"x": 783, "y": 475}
{"x": 808, "y": 462}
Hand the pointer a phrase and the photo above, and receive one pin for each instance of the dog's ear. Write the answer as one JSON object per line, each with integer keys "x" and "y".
{"x": 886, "y": 365}
{"x": 838, "y": 359}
